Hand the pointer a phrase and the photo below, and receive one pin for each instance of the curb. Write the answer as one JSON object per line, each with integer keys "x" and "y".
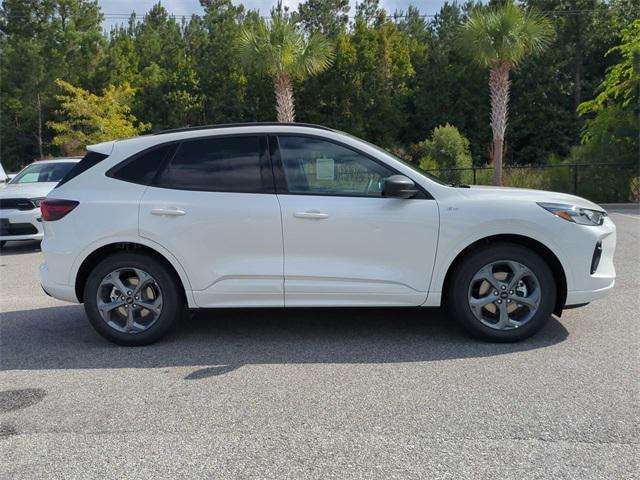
{"x": 621, "y": 206}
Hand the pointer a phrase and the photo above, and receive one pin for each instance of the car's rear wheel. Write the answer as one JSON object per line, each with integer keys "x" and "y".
{"x": 132, "y": 299}
{"x": 502, "y": 292}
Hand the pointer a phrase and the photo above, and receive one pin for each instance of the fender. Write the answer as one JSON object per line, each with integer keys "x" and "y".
{"x": 73, "y": 273}
{"x": 452, "y": 242}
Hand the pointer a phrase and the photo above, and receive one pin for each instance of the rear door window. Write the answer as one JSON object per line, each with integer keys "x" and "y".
{"x": 222, "y": 164}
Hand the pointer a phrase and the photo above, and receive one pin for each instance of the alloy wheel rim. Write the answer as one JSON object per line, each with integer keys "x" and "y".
{"x": 504, "y": 295}
{"x": 129, "y": 300}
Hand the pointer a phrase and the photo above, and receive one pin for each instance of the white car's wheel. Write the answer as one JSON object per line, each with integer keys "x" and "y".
{"x": 502, "y": 292}
{"x": 132, "y": 299}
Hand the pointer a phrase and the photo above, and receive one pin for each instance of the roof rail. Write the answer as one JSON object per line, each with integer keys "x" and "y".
{"x": 246, "y": 124}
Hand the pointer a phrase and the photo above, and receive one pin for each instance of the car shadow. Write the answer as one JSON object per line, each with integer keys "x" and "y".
{"x": 216, "y": 342}
{"x": 20, "y": 247}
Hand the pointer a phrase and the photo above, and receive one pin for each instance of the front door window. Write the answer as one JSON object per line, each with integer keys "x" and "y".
{"x": 319, "y": 167}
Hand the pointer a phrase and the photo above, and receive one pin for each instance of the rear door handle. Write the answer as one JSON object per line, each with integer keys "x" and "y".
{"x": 171, "y": 211}
{"x": 313, "y": 214}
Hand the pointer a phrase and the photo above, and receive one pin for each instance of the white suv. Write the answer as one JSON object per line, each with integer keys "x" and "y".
{"x": 273, "y": 215}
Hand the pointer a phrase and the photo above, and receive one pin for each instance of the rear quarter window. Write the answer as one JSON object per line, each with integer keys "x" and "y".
{"x": 91, "y": 159}
{"x": 143, "y": 167}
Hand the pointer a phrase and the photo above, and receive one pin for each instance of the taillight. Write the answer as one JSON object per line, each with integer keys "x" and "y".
{"x": 54, "y": 209}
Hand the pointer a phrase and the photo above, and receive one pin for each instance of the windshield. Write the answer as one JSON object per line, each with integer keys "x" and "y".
{"x": 43, "y": 172}
{"x": 404, "y": 162}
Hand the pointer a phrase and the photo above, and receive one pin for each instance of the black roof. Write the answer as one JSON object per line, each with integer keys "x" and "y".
{"x": 247, "y": 124}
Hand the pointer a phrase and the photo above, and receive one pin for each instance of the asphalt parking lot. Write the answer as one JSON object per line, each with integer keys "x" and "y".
{"x": 325, "y": 394}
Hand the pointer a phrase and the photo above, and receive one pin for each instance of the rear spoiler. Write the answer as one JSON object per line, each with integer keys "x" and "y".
{"x": 105, "y": 147}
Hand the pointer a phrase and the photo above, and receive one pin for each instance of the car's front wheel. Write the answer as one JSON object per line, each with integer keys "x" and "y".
{"x": 502, "y": 292}
{"x": 132, "y": 299}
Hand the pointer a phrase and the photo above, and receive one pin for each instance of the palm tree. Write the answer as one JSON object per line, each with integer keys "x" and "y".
{"x": 499, "y": 38}
{"x": 281, "y": 50}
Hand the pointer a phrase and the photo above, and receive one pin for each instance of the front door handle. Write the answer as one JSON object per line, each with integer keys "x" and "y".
{"x": 313, "y": 214}
{"x": 171, "y": 211}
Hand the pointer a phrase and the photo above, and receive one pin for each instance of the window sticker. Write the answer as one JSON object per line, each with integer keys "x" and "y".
{"x": 325, "y": 169}
{"x": 31, "y": 177}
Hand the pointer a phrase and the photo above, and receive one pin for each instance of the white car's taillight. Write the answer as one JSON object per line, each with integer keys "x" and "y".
{"x": 54, "y": 209}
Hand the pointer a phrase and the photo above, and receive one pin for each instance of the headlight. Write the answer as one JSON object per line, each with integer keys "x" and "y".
{"x": 571, "y": 213}
{"x": 36, "y": 201}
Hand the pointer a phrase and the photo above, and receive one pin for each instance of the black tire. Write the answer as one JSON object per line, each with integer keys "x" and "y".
{"x": 458, "y": 291}
{"x": 172, "y": 298}
{"x": 2, "y": 243}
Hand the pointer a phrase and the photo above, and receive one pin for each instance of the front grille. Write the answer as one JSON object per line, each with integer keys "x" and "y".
{"x": 595, "y": 260}
{"x": 9, "y": 229}
{"x": 16, "y": 204}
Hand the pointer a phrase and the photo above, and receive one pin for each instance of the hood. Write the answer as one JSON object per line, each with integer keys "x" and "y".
{"x": 515, "y": 194}
{"x": 27, "y": 190}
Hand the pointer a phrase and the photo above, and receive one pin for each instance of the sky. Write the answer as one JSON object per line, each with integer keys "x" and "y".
{"x": 187, "y": 7}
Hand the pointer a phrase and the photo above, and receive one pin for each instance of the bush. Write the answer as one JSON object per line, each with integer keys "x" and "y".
{"x": 598, "y": 181}
{"x": 447, "y": 149}
{"x": 536, "y": 178}
{"x": 520, "y": 177}
{"x": 608, "y": 171}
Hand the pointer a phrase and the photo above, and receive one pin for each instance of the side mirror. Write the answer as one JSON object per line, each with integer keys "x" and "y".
{"x": 399, "y": 186}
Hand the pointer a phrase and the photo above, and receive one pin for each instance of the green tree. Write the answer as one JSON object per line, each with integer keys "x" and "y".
{"x": 223, "y": 84}
{"x": 328, "y": 98}
{"x": 167, "y": 84}
{"x": 447, "y": 149}
{"x": 329, "y": 17}
{"x": 446, "y": 87}
{"x": 546, "y": 88}
{"x": 621, "y": 85}
{"x": 367, "y": 89}
{"x": 612, "y": 131}
{"x": 41, "y": 40}
{"x": 280, "y": 50}
{"x": 394, "y": 78}
{"x": 382, "y": 72}
{"x": 90, "y": 118}
{"x": 120, "y": 62}
{"x": 499, "y": 38}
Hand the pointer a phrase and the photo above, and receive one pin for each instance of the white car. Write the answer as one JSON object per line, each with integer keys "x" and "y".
{"x": 295, "y": 215}
{"x": 20, "y": 199}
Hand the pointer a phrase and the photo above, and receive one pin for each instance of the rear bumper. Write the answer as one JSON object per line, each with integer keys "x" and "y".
{"x": 56, "y": 290}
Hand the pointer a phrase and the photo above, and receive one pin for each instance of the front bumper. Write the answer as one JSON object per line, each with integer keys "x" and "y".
{"x": 591, "y": 285}
{"x": 21, "y": 225}
{"x": 579, "y": 298}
